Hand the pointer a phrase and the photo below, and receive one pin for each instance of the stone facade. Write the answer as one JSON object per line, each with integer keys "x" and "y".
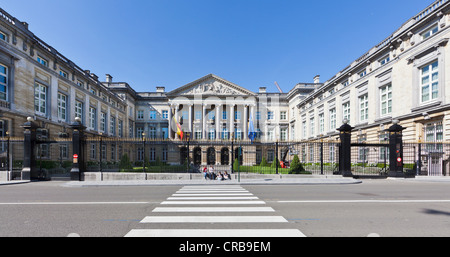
{"x": 402, "y": 78}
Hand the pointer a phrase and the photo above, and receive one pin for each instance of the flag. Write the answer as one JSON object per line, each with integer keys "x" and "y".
{"x": 179, "y": 129}
{"x": 251, "y": 129}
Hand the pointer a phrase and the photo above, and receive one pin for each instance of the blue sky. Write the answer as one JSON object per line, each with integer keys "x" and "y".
{"x": 251, "y": 43}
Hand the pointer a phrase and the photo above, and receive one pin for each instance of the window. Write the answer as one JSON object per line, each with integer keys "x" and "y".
{"x": 433, "y": 30}
{"x": 63, "y": 151}
{"x": 120, "y": 128}
{"x": 364, "y": 108}
{"x": 384, "y": 60}
{"x": 237, "y": 115}
{"x": 93, "y": 152}
{"x": 92, "y": 117}
{"x": 63, "y": 74}
{"x": 140, "y": 114}
{"x": 62, "y": 107}
{"x": 312, "y": 126}
{"x": 103, "y": 122}
{"x": 345, "y": 83}
{"x": 321, "y": 123}
{"x": 80, "y": 83}
{"x": 225, "y": 133}
{"x": 258, "y": 115}
{"x": 283, "y": 134}
{"x": 3, "y": 36}
{"x": 224, "y": 115}
{"x": 153, "y": 115}
{"x": 139, "y": 132}
{"x": 304, "y": 130}
{"x": 164, "y": 154}
{"x": 3, "y": 82}
{"x": 429, "y": 82}
{"x": 79, "y": 110}
{"x": 93, "y": 91}
{"x": 112, "y": 125}
{"x": 152, "y": 154}
{"x": 40, "y": 99}
{"x": 333, "y": 119}
{"x": 434, "y": 133}
{"x": 270, "y": 115}
{"x": 152, "y": 132}
{"x": 346, "y": 111}
{"x": 165, "y": 114}
{"x": 165, "y": 132}
{"x": 283, "y": 116}
{"x": 386, "y": 99}
{"x": 362, "y": 73}
{"x": 42, "y": 61}
{"x": 270, "y": 135}
{"x": 198, "y": 134}
{"x": 212, "y": 134}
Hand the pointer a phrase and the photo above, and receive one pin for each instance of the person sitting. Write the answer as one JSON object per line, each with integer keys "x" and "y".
{"x": 220, "y": 176}
{"x": 226, "y": 176}
{"x": 205, "y": 173}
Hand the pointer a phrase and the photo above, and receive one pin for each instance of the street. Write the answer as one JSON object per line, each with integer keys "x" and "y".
{"x": 384, "y": 208}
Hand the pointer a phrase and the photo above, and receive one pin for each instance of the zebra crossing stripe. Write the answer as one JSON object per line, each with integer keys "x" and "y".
{"x": 266, "y": 233}
{"x": 214, "y": 219}
{"x": 213, "y": 209}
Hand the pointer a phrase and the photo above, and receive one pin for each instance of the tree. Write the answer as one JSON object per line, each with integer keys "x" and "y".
{"x": 125, "y": 164}
{"x": 263, "y": 162}
{"x": 236, "y": 165}
{"x": 296, "y": 166}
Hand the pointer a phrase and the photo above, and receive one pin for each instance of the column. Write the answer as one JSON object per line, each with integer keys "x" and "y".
{"x": 245, "y": 124}
{"x": 204, "y": 135}
{"x": 191, "y": 118}
{"x": 218, "y": 121}
{"x": 231, "y": 119}
{"x": 177, "y": 118}
{"x": 170, "y": 122}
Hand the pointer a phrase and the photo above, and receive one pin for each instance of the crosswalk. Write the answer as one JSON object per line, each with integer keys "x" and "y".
{"x": 214, "y": 211}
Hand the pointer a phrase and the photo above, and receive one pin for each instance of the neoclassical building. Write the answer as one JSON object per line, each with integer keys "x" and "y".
{"x": 403, "y": 78}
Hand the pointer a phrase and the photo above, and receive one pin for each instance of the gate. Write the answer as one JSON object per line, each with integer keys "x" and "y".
{"x": 369, "y": 159}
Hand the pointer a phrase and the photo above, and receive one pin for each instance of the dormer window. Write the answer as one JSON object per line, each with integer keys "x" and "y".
{"x": 3, "y": 36}
{"x": 431, "y": 31}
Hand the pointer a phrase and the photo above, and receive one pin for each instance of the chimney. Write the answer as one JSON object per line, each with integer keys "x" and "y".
{"x": 262, "y": 89}
{"x": 108, "y": 78}
{"x": 317, "y": 79}
{"x": 160, "y": 89}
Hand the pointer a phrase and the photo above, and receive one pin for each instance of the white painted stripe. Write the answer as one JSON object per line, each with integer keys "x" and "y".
{"x": 212, "y": 202}
{"x": 215, "y": 233}
{"x": 366, "y": 201}
{"x": 213, "y": 209}
{"x": 214, "y": 198}
{"x": 214, "y": 219}
{"x": 211, "y": 191}
{"x": 73, "y": 203}
{"x": 214, "y": 194}
{"x": 212, "y": 187}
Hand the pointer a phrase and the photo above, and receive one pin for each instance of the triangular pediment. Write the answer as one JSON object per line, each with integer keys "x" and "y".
{"x": 211, "y": 85}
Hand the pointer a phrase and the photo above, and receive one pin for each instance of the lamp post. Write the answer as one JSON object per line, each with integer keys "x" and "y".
{"x": 143, "y": 140}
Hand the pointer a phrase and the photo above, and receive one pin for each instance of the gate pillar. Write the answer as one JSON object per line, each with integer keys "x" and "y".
{"x": 29, "y": 170}
{"x": 396, "y": 150}
{"x": 78, "y": 166}
{"x": 345, "y": 164}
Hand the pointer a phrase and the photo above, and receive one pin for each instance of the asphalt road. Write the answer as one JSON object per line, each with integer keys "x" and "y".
{"x": 386, "y": 208}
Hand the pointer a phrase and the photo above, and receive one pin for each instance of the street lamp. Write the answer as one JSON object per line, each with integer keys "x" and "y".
{"x": 143, "y": 139}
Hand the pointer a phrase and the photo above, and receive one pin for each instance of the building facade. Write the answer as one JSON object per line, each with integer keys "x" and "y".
{"x": 403, "y": 78}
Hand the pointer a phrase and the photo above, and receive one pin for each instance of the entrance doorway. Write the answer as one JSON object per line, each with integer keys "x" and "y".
{"x": 197, "y": 156}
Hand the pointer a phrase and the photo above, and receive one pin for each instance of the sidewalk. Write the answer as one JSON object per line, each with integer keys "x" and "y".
{"x": 290, "y": 181}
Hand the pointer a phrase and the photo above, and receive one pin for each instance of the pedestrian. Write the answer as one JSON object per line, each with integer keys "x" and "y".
{"x": 226, "y": 176}
{"x": 211, "y": 173}
{"x": 205, "y": 173}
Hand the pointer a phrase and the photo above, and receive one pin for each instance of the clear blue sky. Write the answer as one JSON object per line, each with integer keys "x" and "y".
{"x": 252, "y": 43}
